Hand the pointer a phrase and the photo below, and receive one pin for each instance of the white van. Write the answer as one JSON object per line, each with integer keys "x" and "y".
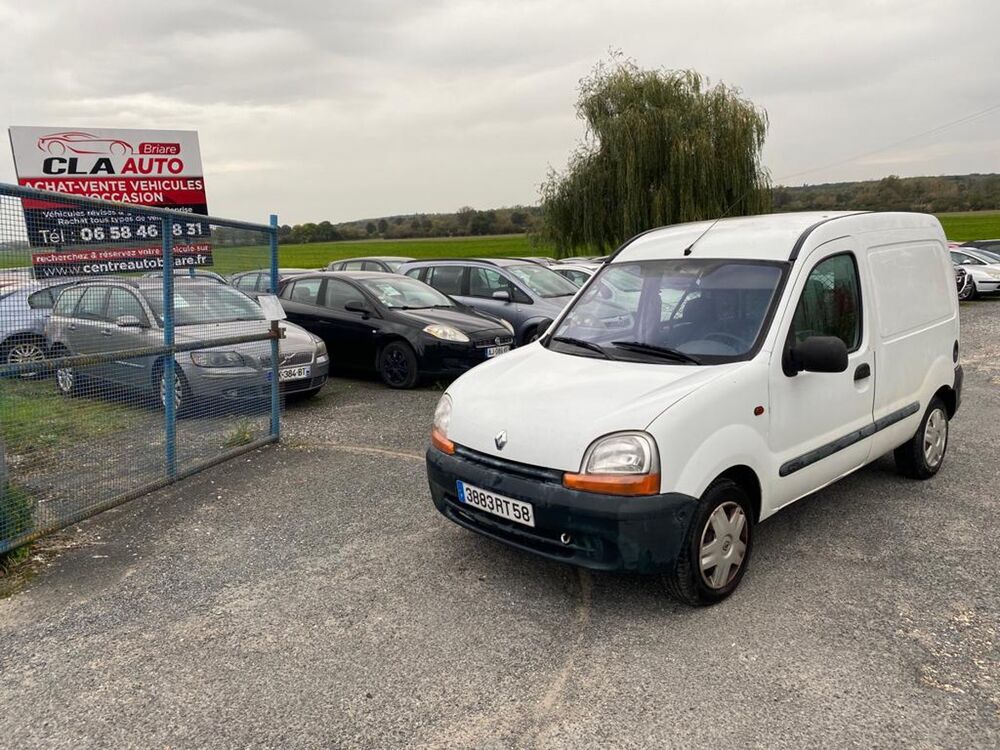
{"x": 762, "y": 359}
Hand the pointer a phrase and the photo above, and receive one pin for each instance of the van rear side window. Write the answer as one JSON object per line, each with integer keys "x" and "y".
{"x": 912, "y": 286}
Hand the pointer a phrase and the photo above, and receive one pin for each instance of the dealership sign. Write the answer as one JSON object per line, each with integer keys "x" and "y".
{"x": 160, "y": 168}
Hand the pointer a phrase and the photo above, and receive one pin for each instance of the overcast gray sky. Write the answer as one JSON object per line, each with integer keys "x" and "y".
{"x": 345, "y": 110}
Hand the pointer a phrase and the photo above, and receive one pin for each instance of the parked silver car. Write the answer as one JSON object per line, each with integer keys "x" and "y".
{"x": 120, "y": 315}
{"x": 24, "y": 308}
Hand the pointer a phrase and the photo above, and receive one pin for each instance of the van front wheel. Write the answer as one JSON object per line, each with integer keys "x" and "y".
{"x": 717, "y": 547}
{"x": 921, "y": 456}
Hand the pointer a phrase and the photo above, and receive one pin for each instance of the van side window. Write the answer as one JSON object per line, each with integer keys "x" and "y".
{"x": 831, "y": 303}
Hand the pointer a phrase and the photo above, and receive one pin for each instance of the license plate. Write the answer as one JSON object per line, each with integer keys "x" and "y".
{"x": 498, "y": 505}
{"x": 494, "y": 351}
{"x": 294, "y": 373}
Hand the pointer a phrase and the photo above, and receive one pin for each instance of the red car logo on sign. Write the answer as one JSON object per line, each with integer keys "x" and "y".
{"x": 78, "y": 142}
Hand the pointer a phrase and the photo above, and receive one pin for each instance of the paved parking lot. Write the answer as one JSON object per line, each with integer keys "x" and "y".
{"x": 310, "y": 596}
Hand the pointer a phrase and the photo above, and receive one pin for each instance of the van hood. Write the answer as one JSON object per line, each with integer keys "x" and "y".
{"x": 554, "y": 405}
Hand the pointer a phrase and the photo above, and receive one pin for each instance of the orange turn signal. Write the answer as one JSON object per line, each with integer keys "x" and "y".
{"x": 442, "y": 443}
{"x": 614, "y": 484}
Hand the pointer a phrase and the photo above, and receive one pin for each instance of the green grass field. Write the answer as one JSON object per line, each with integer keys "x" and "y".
{"x": 971, "y": 225}
{"x": 318, "y": 254}
{"x": 957, "y": 226}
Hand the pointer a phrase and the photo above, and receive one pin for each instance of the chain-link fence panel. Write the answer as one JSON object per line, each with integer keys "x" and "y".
{"x": 133, "y": 351}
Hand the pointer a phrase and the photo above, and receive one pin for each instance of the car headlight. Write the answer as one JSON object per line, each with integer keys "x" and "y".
{"x": 321, "y": 355}
{"x": 218, "y": 359}
{"x": 623, "y": 463}
{"x": 447, "y": 333}
{"x": 442, "y": 420}
{"x": 507, "y": 325}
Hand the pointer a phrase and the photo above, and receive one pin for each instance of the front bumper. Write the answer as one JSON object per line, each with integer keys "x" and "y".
{"x": 453, "y": 358}
{"x": 642, "y": 534}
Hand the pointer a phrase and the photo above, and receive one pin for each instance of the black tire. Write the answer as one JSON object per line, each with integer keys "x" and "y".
{"x": 69, "y": 381}
{"x": 968, "y": 292}
{"x": 688, "y": 582}
{"x": 922, "y": 455}
{"x": 397, "y": 365}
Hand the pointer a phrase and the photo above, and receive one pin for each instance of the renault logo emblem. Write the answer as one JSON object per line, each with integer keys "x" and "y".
{"x": 501, "y": 439}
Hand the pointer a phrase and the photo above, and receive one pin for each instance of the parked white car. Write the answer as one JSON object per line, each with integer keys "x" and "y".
{"x": 762, "y": 359}
{"x": 982, "y": 267}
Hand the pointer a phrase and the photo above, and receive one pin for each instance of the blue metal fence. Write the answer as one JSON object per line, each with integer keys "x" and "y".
{"x": 126, "y": 362}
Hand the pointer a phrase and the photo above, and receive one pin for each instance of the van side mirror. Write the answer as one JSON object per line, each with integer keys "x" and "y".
{"x": 358, "y": 306}
{"x": 502, "y": 295}
{"x": 816, "y": 354}
{"x": 129, "y": 321}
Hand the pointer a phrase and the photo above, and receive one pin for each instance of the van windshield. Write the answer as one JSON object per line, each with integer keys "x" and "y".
{"x": 688, "y": 311}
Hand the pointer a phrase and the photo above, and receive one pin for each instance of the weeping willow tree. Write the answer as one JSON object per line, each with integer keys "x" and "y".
{"x": 661, "y": 147}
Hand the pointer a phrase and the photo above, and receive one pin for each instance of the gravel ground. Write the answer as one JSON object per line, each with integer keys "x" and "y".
{"x": 310, "y": 596}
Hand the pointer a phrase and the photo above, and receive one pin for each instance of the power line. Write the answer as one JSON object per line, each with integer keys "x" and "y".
{"x": 889, "y": 147}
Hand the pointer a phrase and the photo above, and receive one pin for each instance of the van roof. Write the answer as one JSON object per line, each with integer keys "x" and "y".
{"x": 764, "y": 237}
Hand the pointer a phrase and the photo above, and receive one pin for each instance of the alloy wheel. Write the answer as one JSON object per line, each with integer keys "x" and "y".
{"x": 935, "y": 437}
{"x": 723, "y": 545}
{"x": 25, "y": 351}
{"x": 65, "y": 378}
{"x": 178, "y": 392}
{"x": 396, "y": 367}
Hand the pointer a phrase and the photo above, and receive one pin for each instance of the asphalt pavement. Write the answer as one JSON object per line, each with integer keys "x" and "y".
{"x": 309, "y": 595}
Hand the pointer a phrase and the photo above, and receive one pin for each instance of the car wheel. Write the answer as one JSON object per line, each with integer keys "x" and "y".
{"x": 55, "y": 148}
{"x": 970, "y": 291}
{"x": 921, "y": 456}
{"x": 27, "y": 350}
{"x": 397, "y": 364}
{"x": 716, "y": 549}
{"x": 181, "y": 392}
{"x": 68, "y": 379}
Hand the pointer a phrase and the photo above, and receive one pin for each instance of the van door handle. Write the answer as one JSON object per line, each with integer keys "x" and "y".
{"x": 863, "y": 371}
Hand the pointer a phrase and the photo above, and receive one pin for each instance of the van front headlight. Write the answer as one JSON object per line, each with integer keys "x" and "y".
{"x": 623, "y": 463}
{"x": 442, "y": 420}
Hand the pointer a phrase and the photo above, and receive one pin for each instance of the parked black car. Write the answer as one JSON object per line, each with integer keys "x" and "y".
{"x": 386, "y": 263}
{"x": 398, "y": 326}
{"x": 257, "y": 282}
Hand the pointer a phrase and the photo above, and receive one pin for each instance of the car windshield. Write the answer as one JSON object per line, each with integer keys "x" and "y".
{"x": 688, "y": 311}
{"x": 990, "y": 255}
{"x": 393, "y": 265}
{"x": 404, "y": 293}
{"x": 195, "y": 304}
{"x": 543, "y": 281}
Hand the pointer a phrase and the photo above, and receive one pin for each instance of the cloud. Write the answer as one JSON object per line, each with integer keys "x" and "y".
{"x": 344, "y": 110}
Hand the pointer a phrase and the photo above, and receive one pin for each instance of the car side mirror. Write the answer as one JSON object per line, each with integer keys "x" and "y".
{"x": 358, "y": 307}
{"x": 816, "y": 354}
{"x": 502, "y": 295}
{"x": 129, "y": 321}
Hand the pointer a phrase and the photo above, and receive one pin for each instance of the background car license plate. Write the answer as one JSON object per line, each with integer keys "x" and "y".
{"x": 498, "y": 505}
{"x": 294, "y": 373}
{"x": 493, "y": 351}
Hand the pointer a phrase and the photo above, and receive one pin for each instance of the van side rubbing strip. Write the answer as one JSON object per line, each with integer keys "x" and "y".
{"x": 825, "y": 451}
{"x": 797, "y": 247}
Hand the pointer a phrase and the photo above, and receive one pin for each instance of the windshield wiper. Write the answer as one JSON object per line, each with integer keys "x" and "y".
{"x": 660, "y": 351}
{"x": 581, "y": 344}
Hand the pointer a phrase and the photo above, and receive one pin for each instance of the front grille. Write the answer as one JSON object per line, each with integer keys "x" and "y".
{"x": 294, "y": 358}
{"x": 537, "y": 473}
{"x": 497, "y": 339}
